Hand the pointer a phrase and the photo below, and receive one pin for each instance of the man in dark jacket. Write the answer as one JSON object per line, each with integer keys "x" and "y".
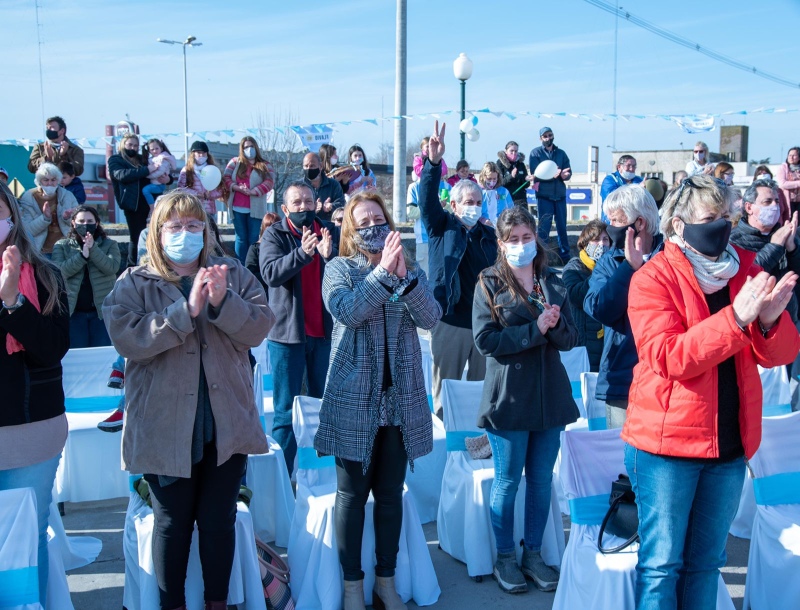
{"x": 328, "y": 193}
{"x": 292, "y": 257}
{"x": 760, "y": 230}
{"x": 56, "y": 148}
{"x": 459, "y": 248}
{"x": 551, "y": 195}
{"x": 633, "y": 230}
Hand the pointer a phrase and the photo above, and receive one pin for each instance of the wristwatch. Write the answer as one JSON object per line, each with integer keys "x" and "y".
{"x": 20, "y": 302}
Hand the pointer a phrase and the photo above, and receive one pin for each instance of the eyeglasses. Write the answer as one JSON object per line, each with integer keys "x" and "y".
{"x": 177, "y": 227}
{"x": 699, "y": 151}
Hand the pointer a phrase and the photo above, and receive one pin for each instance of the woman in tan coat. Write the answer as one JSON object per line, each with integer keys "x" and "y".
{"x": 184, "y": 321}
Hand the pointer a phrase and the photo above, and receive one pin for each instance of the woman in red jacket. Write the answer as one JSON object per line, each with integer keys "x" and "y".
{"x": 703, "y": 316}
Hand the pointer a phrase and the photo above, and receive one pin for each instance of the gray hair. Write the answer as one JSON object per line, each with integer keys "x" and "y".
{"x": 697, "y": 195}
{"x": 635, "y": 202}
{"x": 463, "y": 188}
{"x": 751, "y": 194}
{"x": 297, "y": 184}
{"x": 47, "y": 170}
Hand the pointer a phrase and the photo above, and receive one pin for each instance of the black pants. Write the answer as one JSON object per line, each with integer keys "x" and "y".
{"x": 208, "y": 498}
{"x": 137, "y": 221}
{"x": 384, "y": 477}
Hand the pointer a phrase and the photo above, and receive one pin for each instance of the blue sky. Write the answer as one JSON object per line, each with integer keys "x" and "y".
{"x": 324, "y": 61}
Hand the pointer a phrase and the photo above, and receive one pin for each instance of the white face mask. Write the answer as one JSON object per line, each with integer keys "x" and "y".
{"x": 627, "y": 175}
{"x": 520, "y": 255}
{"x": 769, "y": 216}
{"x": 469, "y": 214}
{"x": 358, "y": 160}
{"x": 334, "y": 160}
{"x": 49, "y": 190}
{"x": 200, "y": 161}
{"x": 249, "y": 153}
{"x": 490, "y": 184}
{"x": 700, "y": 156}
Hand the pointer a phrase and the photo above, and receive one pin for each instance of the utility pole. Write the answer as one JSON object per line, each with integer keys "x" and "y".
{"x": 399, "y": 175}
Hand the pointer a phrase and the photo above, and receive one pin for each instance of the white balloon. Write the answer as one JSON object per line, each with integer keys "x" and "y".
{"x": 465, "y": 125}
{"x": 210, "y": 177}
{"x": 546, "y": 170}
{"x": 474, "y": 135}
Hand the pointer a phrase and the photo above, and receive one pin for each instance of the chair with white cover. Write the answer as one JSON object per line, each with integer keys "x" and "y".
{"x": 90, "y": 467}
{"x": 595, "y": 408}
{"x": 777, "y": 399}
{"x": 464, "y": 519}
{"x": 19, "y": 550}
{"x": 141, "y": 588}
{"x": 272, "y": 505}
{"x": 313, "y": 557}
{"x": 591, "y": 461}
{"x": 576, "y": 362}
{"x": 425, "y": 482}
{"x": 774, "y": 560}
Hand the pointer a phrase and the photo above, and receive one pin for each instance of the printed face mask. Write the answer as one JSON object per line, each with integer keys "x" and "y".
{"x": 470, "y": 214}
{"x": 183, "y": 247}
{"x": 768, "y": 216}
{"x": 520, "y": 255}
{"x": 372, "y": 239}
{"x": 595, "y": 251}
{"x": 710, "y": 238}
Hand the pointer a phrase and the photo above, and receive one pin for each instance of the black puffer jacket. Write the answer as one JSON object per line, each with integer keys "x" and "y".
{"x": 512, "y": 183}
{"x": 772, "y": 258}
{"x": 576, "y": 276}
{"x": 128, "y": 180}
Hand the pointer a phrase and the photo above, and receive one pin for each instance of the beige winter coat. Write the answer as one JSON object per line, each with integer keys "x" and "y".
{"x": 148, "y": 320}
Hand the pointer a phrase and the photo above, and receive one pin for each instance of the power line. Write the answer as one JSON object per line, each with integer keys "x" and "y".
{"x": 693, "y": 46}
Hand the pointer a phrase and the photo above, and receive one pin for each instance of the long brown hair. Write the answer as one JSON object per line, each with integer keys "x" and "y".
{"x": 510, "y": 218}
{"x": 259, "y": 163}
{"x": 45, "y": 273}
{"x": 190, "y": 167}
{"x": 181, "y": 204}
{"x": 98, "y": 232}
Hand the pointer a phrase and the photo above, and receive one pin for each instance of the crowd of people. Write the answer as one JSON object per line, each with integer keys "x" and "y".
{"x": 677, "y": 293}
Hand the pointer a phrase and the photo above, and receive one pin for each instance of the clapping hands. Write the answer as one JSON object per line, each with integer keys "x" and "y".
{"x": 392, "y": 257}
{"x": 548, "y": 318}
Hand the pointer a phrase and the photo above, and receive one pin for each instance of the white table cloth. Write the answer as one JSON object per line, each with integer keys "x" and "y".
{"x": 272, "y": 505}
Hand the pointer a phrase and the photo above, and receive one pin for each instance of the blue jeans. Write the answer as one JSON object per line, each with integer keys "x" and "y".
{"x": 547, "y": 210}
{"x": 686, "y": 508}
{"x": 151, "y": 191}
{"x": 246, "y": 229}
{"x": 40, "y": 477}
{"x": 290, "y": 362}
{"x": 511, "y": 451}
{"x": 87, "y": 330}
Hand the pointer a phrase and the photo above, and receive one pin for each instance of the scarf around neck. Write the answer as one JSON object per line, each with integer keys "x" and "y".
{"x": 712, "y": 276}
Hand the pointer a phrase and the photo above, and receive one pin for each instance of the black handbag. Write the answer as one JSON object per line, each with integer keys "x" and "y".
{"x": 622, "y": 518}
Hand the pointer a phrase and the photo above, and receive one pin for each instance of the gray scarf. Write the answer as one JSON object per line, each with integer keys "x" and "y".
{"x": 711, "y": 275}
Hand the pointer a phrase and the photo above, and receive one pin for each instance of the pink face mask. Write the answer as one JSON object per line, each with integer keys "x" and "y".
{"x": 511, "y": 156}
{"x": 5, "y": 229}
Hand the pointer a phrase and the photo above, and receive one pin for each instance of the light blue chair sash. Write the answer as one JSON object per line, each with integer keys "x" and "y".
{"x": 307, "y": 459}
{"x": 19, "y": 587}
{"x": 454, "y": 440}
{"x": 597, "y": 423}
{"x": 92, "y": 404}
{"x": 430, "y": 402}
{"x": 576, "y": 390}
{"x": 268, "y": 385}
{"x": 132, "y": 478}
{"x": 589, "y": 510}
{"x": 776, "y": 410}
{"x": 776, "y": 489}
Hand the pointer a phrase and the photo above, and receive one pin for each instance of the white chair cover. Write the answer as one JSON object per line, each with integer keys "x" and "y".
{"x": 576, "y": 361}
{"x": 313, "y": 558}
{"x": 595, "y": 409}
{"x": 57, "y": 588}
{"x": 774, "y": 561}
{"x": 591, "y": 461}
{"x": 464, "y": 521}
{"x": 141, "y": 588}
{"x": 425, "y": 483}
{"x": 90, "y": 467}
{"x": 74, "y": 551}
{"x": 272, "y": 505}
{"x": 19, "y": 550}
{"x": 777, "y": 401}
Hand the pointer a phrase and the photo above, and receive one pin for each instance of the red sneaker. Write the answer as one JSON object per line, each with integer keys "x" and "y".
{"x": 117, "y": 380}
{"x": 113, "y": 423}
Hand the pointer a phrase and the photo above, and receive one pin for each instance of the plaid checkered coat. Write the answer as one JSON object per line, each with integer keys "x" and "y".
{"x": 349, "y": 416}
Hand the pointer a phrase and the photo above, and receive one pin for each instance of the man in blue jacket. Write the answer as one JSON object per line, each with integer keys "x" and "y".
{"x": 459, "y": 248}
{"x": 551, "y": 195}
{"x": 625, "y": 174}
{"x": 635, "y": 237}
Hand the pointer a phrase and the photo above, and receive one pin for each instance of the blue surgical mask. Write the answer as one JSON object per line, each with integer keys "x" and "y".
{"x": 469, "y": 214}
{"x": 183, "y": 247}
{"x": 520, "y": 255}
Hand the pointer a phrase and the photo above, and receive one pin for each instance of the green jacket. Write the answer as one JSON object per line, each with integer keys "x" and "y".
{"x": 103, "y": 264}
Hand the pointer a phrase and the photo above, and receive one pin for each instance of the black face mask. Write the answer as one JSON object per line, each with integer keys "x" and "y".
{"x": 51, "y": 134}
{"x": 302, "y": 219}
{"x": 83, "y": 230}
{"x": 547, "y": 142}
{"x": 710, "y": 238}
{"x": 131, "y": 153}
{"x": 311, "y": 173}
{"x": 617, "y": 235}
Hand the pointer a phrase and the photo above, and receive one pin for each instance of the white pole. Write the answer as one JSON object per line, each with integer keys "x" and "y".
{"x": 399, "y": 175}
{"x": 185, "y": 108}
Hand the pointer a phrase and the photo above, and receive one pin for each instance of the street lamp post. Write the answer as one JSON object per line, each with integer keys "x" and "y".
{"x": 462, "y": 70}
{"x": 189, "y": 42}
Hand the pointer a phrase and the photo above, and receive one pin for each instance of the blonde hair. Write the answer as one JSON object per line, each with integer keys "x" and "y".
{"x": 487, "y": 170}
{"x": 121, "y": 148}
{"x": 695, "y": 195}
{"x": 181, "y": 204}
{"x": 347, "y": 241}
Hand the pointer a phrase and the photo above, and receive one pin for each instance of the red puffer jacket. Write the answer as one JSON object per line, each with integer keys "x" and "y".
{"x": 673, "y": 400}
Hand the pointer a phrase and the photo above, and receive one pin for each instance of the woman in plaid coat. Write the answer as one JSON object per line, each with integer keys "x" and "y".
{"x": 375, "y": 415}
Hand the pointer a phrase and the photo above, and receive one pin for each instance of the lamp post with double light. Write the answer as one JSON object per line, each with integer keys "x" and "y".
{"x": 189, "y": 42}
{"x": 462, "y": 70}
